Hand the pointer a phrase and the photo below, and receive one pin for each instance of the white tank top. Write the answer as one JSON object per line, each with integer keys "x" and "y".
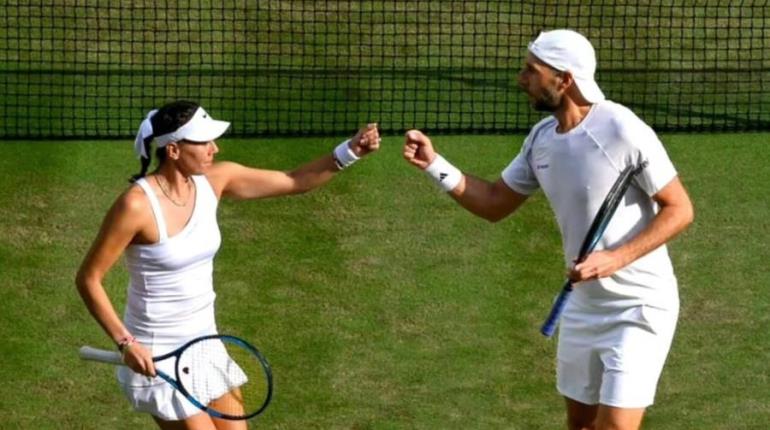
{"x": 170, "y": 292}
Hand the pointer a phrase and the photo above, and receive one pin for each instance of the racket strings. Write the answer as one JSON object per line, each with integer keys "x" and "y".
{"x": 226, "y": 377}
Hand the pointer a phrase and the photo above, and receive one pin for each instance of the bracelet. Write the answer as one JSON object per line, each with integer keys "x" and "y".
{"x": 344, "y": 156}
{"x": 444, "y": 173}
{"x": 125, "y": 343}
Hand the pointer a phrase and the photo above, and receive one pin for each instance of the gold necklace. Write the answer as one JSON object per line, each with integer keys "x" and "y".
{"x": 168, "y": 194}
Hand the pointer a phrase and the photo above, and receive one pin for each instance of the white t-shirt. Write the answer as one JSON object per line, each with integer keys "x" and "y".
{"x": 576, "y": 169}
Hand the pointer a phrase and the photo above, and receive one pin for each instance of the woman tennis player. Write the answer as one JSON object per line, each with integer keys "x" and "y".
{"x": 166, "y": 226}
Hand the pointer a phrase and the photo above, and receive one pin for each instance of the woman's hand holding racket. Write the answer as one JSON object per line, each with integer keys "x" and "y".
{"x": 139, "y": 359}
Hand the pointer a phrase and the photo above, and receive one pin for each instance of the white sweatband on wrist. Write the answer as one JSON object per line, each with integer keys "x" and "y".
{"x": 444, "y": 173}
{"x": 344, "y": 156}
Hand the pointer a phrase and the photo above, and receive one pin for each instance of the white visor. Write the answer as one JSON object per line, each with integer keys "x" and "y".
{"x": 200, "y": 128}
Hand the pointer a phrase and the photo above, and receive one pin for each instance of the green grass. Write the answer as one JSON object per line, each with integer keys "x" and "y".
{"x": 378, "y": 301}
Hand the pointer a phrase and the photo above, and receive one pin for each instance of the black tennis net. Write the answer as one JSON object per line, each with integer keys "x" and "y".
{"x": 92, "y": 69}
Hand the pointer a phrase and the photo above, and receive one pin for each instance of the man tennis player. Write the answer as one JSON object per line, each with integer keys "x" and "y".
{"x": 618, "y": 325}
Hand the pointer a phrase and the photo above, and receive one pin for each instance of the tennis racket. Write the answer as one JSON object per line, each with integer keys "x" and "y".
{"x": 595, "y": 232}
{"x": 222, "y": 375}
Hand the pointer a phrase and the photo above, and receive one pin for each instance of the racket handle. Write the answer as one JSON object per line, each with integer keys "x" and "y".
{"x": 549, "y": 326}
{"x": 102, "y": 355}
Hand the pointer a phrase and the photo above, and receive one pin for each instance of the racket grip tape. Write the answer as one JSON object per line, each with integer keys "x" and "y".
{"x": 549, "y": 326}
{"x": 102, "y": 355}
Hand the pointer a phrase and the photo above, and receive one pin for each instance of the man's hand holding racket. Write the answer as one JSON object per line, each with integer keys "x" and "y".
{"x": 598, "y": 264}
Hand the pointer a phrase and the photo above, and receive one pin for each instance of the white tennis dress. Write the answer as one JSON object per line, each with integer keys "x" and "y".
{"x": 171, "y": 298}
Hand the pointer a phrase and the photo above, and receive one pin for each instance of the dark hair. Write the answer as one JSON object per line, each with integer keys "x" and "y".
{"x": 172, "y": 116}
{"x": 166, "y": 120}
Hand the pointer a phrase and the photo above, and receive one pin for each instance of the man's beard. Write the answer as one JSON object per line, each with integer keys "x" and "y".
{"x": 548, "y": 101}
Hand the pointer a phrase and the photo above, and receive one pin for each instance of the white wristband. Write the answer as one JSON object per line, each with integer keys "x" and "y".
{"x": 344, "y": 156}
{"x": 444, "y": 173}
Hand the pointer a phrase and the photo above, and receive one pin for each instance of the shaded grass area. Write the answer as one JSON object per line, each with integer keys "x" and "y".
{"x": 380, "y": 303}
{"x": 71, "y": 69}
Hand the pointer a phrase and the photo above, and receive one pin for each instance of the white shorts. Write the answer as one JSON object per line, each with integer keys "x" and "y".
{"x": 614, "y": 359}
